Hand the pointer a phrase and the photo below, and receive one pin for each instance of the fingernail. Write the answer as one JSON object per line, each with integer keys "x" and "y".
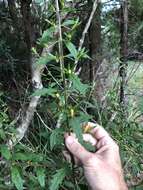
{"x": 69, "y": 140}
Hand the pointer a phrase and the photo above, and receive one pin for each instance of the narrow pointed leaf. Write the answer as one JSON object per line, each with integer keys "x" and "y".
{"x": 41, "y": 176}
{"x": 58, "y": 178}
{"x": 45, "y": 91}
{"x": 16, "y": 178}
{"x": 72, "y": 49}
{"x": 5, "y": 152}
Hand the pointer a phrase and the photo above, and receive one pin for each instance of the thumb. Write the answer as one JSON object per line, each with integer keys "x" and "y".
{"x": 77, "y": 149}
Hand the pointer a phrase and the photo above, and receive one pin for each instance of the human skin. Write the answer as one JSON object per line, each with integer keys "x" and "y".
{"x": 102, "y": 169}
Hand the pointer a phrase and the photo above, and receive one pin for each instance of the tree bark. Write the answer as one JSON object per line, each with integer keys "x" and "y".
{"x": 95, "y": 43}
{"x": 14, "y": 16}
{"x": 124, "y": 49}
{"x": 96, "y": 75}
{"x": 26, "y": 14}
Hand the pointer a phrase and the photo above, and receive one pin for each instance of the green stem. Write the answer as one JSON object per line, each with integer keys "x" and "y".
{"x": 62, "y": 62}
{"x": 64, "y": 78}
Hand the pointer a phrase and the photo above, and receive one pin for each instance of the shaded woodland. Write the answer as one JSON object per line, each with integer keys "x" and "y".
{"x": 62, "y": 63}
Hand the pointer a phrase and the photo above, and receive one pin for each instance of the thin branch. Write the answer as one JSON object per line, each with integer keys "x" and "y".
{"x": 86, "y": 29}
{"x": 133, "y": 71}
{"x": 88, "y": 25}
{"x": 43, "y": 121}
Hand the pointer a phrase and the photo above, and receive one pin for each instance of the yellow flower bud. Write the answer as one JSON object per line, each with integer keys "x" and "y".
{"x": 87, "y": 128}
{"x": 69, "y": 71}
{"x": 57, "y": 95}
{"x": 72, "y": 112}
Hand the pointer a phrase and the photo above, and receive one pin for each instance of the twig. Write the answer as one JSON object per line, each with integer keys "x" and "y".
{"x": 43, "y": 121}
{"x": 133, "y": 71}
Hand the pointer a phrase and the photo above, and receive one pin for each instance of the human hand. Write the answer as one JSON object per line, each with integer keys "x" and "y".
{"x": 102, "y": 169}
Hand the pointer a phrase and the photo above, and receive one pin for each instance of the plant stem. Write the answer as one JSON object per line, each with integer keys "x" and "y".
{"x": 62, "y": 60}
{"x": 64, "y": 78}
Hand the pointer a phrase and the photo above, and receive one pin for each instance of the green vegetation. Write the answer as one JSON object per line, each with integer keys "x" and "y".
{"x": 76, "y": 77}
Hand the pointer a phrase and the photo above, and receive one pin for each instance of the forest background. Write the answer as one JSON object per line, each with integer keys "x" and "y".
{"x": 62, "y": 63}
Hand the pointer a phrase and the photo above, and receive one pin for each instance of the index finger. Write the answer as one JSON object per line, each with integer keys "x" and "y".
{"x": 99, "y": 132}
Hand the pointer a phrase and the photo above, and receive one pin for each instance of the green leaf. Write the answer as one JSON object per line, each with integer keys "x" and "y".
{"x": 35, "y": 157}
{"x": 88, "y": 146}
{"x": 56, "y": 138}
{"x": 72, "y": 49}
{"x": 78, "y": 85}
{"x": 69, "y": 184}
{"x": 58, "y": 178}
{"x": 84, "y": 117}
{"x": 2, "y": 134}
{"x": 5, "y": 152}
{"x": 34, "y": 51}
{"x": 83, "y": 54}
{"x": 28, "y": 157}
{"x": 16, "y": 178}
{"x": 21, "y": 156}
{"x": 75, "y": 124}
{"x": 47, "y": 35}
{"x": 40, "y": 172}
{"x": 45, "y": 91}
{"x": 140, "y": 187}
{"x": 69, "y": 22}
{"x": 45, "y": 59}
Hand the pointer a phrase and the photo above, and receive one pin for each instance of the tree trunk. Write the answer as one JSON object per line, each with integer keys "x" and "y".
{"x": 95, "y": 43}
{"x": 26, "y": 13}
{"x": 96, "y": 71}
{"x": 123, "y": 50}
{"x": 14, "y": 16}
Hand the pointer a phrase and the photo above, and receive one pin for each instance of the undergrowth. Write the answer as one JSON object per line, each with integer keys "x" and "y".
{"x": 38, "y": 161}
